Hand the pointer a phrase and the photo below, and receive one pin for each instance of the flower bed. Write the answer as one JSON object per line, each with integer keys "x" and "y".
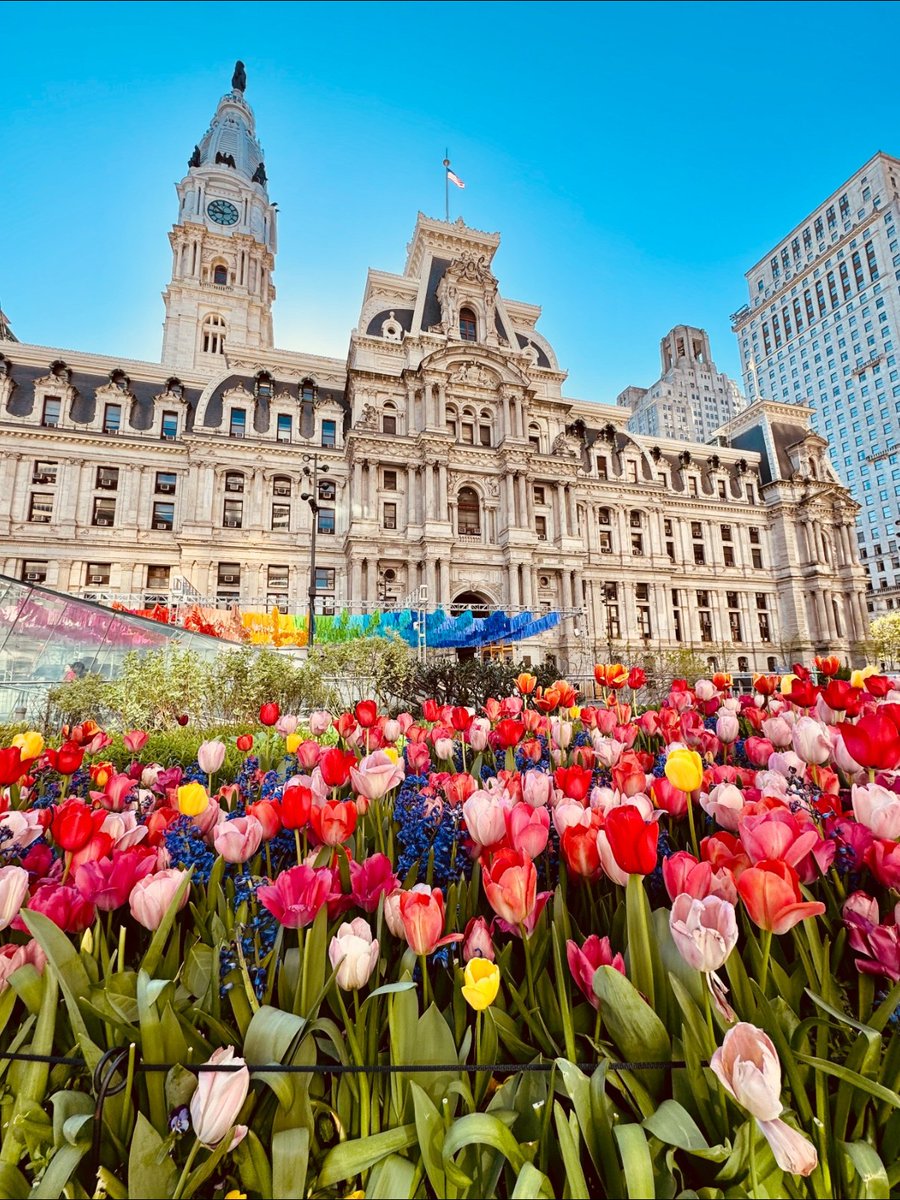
{"x": 534, "y": 950}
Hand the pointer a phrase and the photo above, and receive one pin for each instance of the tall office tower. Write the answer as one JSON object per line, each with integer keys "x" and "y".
{"x": 822, "y": 328}
{"x": 691, "y": 399}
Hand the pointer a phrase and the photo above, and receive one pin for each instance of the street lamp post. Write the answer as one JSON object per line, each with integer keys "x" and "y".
{"x": 312, "y": 498}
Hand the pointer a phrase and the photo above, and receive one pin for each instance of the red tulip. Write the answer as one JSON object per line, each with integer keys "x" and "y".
{"x": 12, "y": 765}
{"x": 579, "y": 846}
{"x": 268, "y": 813}
{"x": 67, "y": 759}
{"x": 632, "y": 840}
{"x": 637, "y": 677}
{"x": 772, "y": 897}
{"x": 883, "y": 859}
{"x": 510, "y": 884}
{"x": 245, "y": 742}
{"x": 269, "y": 713}
{"x": 73, "y": 825}
{"x": 766, "y": 685}
{"x": 296, "y": 802}
{"x": 828, "y": 666}
{"x": 628, "y": 775}
{"x": 874, "y": 741}
{"x": 461, "y": 719}
{"x": 509, "y": 733}
{"x": 297, "y": 895}
{"x": 418, "y": 757}
{"x": 843, "y": 697}
{"x": 574, "y": 782}
{"x": 183, "y": 719}
{"x": 422, "y": 914}
{"x": 584, "y": 962}
{"x": 366, "y": 713}
{"x": 877, "y": 685}
{"x": 803, "y": 693}
{"x": 335, "y": 766}
{"x": 333, "y": 823}
{"x": 668, "y": 797}
{"x": 64, "y": 905}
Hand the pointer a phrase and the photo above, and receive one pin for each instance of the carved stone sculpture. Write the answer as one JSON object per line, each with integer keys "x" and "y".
{"x": 239, "y": 78}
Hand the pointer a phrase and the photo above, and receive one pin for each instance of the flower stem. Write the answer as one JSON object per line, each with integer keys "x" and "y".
{"x": 766, "y": 954}
{"x": 423, "y": 959}
{"x": 690, "y": 813}
{"x": 529, "y": 967}
{"x": 187, "y": 1169}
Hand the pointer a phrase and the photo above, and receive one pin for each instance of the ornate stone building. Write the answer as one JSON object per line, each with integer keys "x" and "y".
{"x": 445, "y": 457}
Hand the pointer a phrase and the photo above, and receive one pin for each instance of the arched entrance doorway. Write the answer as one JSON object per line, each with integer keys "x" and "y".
{"x": 480, "y": 606}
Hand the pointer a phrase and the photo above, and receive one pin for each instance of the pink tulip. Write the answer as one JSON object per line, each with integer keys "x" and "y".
{"x": 308, "y": 754}
{"x": 443, "y": 748}
{"x": 758, "y": 750}
{"x": 478, "y": 734}
{"x": 776, "y": 834}
{"x": 152, "y": 896}
{"x": 704, "y": 931}
{"x": 108, "y": 882}
{"x": 877, "y": 944}
{"x": 211, "y": 756}
{"x": 608, "y": 750}
{"x": 320, "y": 722}
{"x": 418, "y": 757}
{"x": 12, "y": 958}
{"x": 376, "y": 775}
{"x": 135, "y": 741}
{"x": 297, "y": 895}
{"x": 778, "y": 731}
{"x": 878, "y": 809}
{"x": 238, "y": 840}
{"x": 537, "y": 787}
{"x": 392, "y": 917}
{"x": 668, "y": 797}
{"x": 584, "y": 962}
{"x": 477, "y": 940}
{"x": 724, "y": 802}
{"x": 883, "y": 858}
{"x": 811, "y": 741}
{"x": 219, "y": 1098}
{"x": 748, "y": 1068}
{"x": 117, "y": 793}
{"x": 286, "y": 724}
{"x": 727, "y": 728}
{"x": 354, "y": 952}
{"x": 842, "y": 758}
{"x": 705, "y": 689}
{"x": 569, "y": 813}
{"x": 391, "y": 730}
{"x": 484, "y": 815}
{"x": 528, "y": 829}
{"x": 372, "y": 879}
{"x": 21, "y": 828}
{"x": 788, "y": 764}
{"x": 13, "y": 890}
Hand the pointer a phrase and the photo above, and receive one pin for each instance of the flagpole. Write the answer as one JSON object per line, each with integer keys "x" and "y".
{"x": 446, "y": 186}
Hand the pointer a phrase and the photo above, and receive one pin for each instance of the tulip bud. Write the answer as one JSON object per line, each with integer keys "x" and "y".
{"x": 477, "y": 941}
{"x": 211, "y": 756}
{"x": 354, "y": 952}
{"x": 219, "y": 1097}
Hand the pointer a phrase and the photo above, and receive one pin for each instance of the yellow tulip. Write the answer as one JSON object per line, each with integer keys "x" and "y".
{"x": 292, "y": 741}
{"x": 30, "y": 743}
{"x": 787, "y": 682}
{"x": 482, "y": 983}
{"x": 858, "y": 678}
{"x": 684, "y": 769}
{"x": 193, "y": 799}
{"x": 392, "y": 752}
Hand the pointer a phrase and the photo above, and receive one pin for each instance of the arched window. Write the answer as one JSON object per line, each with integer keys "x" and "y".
{"x": 484, "y": 428}
{"x": 534, "y": 437}
{"x": 263, "y": 385}
{"x": 469, "y": 512}
{"x": 281, "y": 486}
{"x": 220, "y": 275}
{"x": 468, "y": 325}
{"x": 743, "y": 664}
{"x": 467, "y": 430}
{"x": 636, "y": 518}
{"x": 307, "y": 391}
{"x": 234, "y": 481}
{"x": 452, "y": 421}
{"x": 213, "y": 335}
{"x": 389, "y": 419}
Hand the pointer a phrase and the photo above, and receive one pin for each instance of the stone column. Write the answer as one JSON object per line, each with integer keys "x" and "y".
{"x": 443, "y": 492}
{"x": 513, "y": 575}
{"x": 355, "y": 582}
{"x": 357, "y": 494}
{"x": 560, "y": 511}
{"x": 371, "y": 580}
{"x": 527, "y": 586}
{"x": 566, "y": 589}
{"x": 430, "y": 577}
{"x": 510, "y": 500}
{"x": 522, "y": 506}
{"x": 445, "y": 581}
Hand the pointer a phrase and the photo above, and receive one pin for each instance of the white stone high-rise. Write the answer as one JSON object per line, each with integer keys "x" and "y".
{"x": 223, "y": 244}
{"x": 822, "y": 328}
{"x": 691, "y": 399}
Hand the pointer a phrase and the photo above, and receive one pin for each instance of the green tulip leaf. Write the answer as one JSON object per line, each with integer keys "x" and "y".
{"x": 872, "y": 1177}
{"x": 393, "y": 1178}
{"x": 290, "y": 1163}
{"x": 481, "y": 1129}
{"x": 532, "y": 1184}
{"x": 636, "y": 1161}
{"x": 637, "y": 1031}
{"x": 352, "y": 1158}
{"x": 674, "y": 1125}
{"x": 151, "y": 1172}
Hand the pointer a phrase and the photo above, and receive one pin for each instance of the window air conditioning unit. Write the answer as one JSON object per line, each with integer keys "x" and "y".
{"x": 281, "y": 490}
{"x": 542, "y": 537}
{"x": 44, "y": 479}
{"x": 32, "y": 577}
{"x": 233, "y": 487}
{"x": 229, "y": 578}
{"x": 97, "y": 579}
{"x": 169, "y": 437}
{"x": 160, "y": 525}
{"x": 233, "y": 524}
{"x": 102, "y": 521}
{"x": 168, "y": 488}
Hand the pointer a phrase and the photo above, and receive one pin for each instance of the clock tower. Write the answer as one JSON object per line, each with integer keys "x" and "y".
{"x": 223, "y": 245}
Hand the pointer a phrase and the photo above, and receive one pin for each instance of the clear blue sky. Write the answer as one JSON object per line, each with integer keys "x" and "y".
{"x": 637, "y": 158}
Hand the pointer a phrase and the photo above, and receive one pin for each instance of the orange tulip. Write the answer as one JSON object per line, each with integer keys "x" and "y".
{"x": 526, "y": 683}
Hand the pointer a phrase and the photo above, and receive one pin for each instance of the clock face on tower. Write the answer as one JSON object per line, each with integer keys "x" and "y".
{"x": 222, "y": 212}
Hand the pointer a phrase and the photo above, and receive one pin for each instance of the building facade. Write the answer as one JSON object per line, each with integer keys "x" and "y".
{"x": 822, "y": 329}
{"x": 691, "y": 400}
{"x": 444, "y": 453}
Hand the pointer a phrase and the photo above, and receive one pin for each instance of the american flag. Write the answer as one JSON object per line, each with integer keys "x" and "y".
{"x": 455, "y": 179}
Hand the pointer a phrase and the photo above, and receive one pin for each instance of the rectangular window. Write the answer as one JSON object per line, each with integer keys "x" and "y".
{"x": 726, "y": 532}
{"x": 637, "y": 543}
{"x": 285, "y": 427}
{"x": 325, "y": 521}
{"x": 281, "y": 517}
{"x": 734, "y": 622}
{"x": 40, "y": 508}
{"x": 484, "y": 435}
{"x": 327, "y": 489}
{"x": 540, "y": 526}
{"x": 44, "y": 472}
{"x": 390, "y": 481}
{"x": 389, "y": 520}
{"x": 632, "y": 470}
{"x": 692, "y": 486}
{"x": 165, "y": 483}
{"x": 163, "y": 514}
{"x": 158, "y": 578}
{"x": 699, "y": 554}
{"x": 112, "y": 418}
{"x": 104, "y": 511}
{"x": 602, "y": 467}
{"x": 728, "y": 553}
{"x": 754, "y": 536}
{"x": 696, "y": 529}
{"x": 233, "y": 514}
{"x": 97, "y": 573}
{"x": 277, "y": 587}
{"x": 107, "y": 478}
{"x": 238, "y": 425}
{"x": 720, "y": 487}
{"x": 605, "y": 541}
{"x": 705, "y": 625}
{"x": 670, "y": 551}
{"x": 667, "y": 526}
{"x": 169, "y": 426}
{"x": 764, "y": 630}
{"x": 756, "y": 556}
{"x": 52, "y": 406}
{"x": 229, "y": 575}
{"x": 643, "y": 616}
{"x": 329, "y": 433}
{"x": 34, "y": 571}
{"x": 324, "y": 579}
{"x": 388, "y": 424}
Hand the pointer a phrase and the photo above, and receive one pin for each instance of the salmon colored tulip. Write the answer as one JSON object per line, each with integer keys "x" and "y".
{"x": 510, "y": 884}
{"x": 422, "y": 915}
{"x": 771, "y": 894}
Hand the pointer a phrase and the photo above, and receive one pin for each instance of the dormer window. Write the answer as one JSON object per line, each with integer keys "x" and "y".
{"x": 263, "y": 386}
{"x": 468, "y": 325}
